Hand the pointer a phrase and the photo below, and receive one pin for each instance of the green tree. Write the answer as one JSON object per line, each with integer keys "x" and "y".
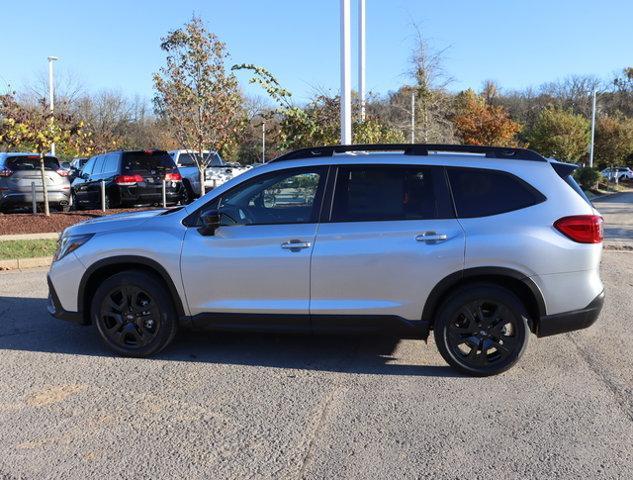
{"x": 318, "y": 123}
{"x": 614, "y": 140}
{"x": 560, "y": 134}
{"x": 195, "y": 93}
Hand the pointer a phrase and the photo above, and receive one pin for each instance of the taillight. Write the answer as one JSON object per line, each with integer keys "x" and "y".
{"x": 581, "y": 228}
{"x": 173, "y": 177}
{"x": 62, "y": 172}
{"x": 127, "y": 179}
{"x": 6, "y": 172}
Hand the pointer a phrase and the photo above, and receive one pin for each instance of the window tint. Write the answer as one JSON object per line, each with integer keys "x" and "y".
{"x": 480, "y": 193}
{"x": 149, "y": 161}
{"x": 111, "y": 164}
{"x": 290, "y": 196}
{"x": 376, "y": 193}
{"x": 31, "y": 162}
{"x": 98, "y": 166}
{"x": 87, "y": 168}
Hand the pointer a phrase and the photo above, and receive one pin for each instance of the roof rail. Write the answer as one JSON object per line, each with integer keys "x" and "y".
{"x": 414, "y": 149}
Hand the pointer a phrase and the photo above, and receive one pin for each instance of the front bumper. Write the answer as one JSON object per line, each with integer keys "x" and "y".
{"x": 570, "y": 321}
{"x": 54, "y": 306}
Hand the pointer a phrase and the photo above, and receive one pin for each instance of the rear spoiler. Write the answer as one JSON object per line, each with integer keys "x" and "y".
{"x": 563, "y": 169}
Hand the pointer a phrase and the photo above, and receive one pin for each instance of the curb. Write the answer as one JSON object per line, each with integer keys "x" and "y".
{"x": 30, "y": 236}
{"x": 24, "y": 263}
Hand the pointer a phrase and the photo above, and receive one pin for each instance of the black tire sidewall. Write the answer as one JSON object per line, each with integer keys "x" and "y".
{"x": 469, "y": 294}
{"x": 154, "y": 286}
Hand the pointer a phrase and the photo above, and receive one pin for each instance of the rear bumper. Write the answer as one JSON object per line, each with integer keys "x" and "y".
{"x": 55, "y": 308}
{"x": 9, "y": 197}
{"x": 150, "y": 195}
{"x": 570, "y": 321}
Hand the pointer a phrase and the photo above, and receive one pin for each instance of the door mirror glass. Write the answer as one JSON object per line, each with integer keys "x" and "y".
{"x": 210, "y": 222}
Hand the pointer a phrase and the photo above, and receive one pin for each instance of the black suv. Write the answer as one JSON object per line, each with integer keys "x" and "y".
{"x": 131, "y": 178}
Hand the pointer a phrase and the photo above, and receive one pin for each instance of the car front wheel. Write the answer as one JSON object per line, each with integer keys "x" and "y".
{"x": 482, "y": 329}
{"x": 134, "y": 314}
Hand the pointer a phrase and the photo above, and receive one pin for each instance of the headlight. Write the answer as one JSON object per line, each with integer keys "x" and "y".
{"x": 70, "y": 243}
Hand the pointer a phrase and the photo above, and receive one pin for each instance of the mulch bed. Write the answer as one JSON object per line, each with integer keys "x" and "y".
{"x": 15, "y": 223}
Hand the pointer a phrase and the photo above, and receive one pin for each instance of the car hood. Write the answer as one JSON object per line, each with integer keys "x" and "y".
{"x": 118, "y": 221}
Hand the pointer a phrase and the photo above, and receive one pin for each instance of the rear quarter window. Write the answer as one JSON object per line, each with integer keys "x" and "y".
{"x": 482, "y": 192}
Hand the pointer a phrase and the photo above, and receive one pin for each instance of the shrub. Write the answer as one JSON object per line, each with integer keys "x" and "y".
{"x": 587, "y": 177}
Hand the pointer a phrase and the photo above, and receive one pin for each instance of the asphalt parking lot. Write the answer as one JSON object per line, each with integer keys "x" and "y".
{"x": 266, "y": 406}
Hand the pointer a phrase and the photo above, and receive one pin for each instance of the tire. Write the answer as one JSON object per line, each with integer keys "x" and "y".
{"x": 482, "y": 329}
{"x": 134, "y": 314}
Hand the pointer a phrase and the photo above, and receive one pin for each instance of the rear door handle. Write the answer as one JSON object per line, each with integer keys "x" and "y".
{"x": 431, "y": 238}
{"x": 295, "y": 245}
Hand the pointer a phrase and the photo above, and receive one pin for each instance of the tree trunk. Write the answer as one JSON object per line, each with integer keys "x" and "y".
{"x": 47, "y": 211}
{"x": 201, "y": 172}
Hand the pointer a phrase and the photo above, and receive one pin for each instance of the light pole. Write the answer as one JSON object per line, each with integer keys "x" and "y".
{"x": 263, "y": 142}
{"x": 412, "y": 117}
{"x": 346, "y": 101}
{"x": 361, "y": 58}
{"x": 51, "y": 96}
{"x": 593, "y": 128}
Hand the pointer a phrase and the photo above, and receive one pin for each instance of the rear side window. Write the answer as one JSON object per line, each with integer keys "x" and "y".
{"x": 31, "y": 162}
{"x": 378, "y": 193}
{"x": 481, "y": 193}
{"x": 150, "y": 161}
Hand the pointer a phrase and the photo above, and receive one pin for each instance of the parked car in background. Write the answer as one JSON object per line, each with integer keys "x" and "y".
{"x": 131, "y": 178}
{"x": 619, "y": 173}
{"x": 479, "y": 245}
{"x": 76, "y": 165}
{"x": 18, "y": 171}
{"x": 216, "y": 173}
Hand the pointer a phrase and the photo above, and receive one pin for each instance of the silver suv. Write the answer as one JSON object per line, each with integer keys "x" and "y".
{"x": 18, "y": 173}
{"x": 481, "y": 245}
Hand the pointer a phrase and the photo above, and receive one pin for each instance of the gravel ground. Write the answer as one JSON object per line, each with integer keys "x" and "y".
{"x": 16, "y": 223}
{"x": 265, "y": 406}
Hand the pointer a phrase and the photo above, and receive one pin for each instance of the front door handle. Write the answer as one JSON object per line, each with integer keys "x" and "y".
{"x": 295, "y": 245}
{"x": 431, "y": 238}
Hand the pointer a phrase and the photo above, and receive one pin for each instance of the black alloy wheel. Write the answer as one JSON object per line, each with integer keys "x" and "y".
{"x": 134, "y": 314}
{"x": 482, "y": 330}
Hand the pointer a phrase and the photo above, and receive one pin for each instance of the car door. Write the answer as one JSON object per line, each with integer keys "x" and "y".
{"x": 80, "y": 183}
{"x": 391, "y": 236}
{"x": 258, "y": 261}
{"x": 93, "y": 185}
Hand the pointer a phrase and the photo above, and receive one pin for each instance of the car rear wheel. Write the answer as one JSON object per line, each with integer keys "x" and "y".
{"x": 134, "y": 314}
{"x": 482, "y": 329}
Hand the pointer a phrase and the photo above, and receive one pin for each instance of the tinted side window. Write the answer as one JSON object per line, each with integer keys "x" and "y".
{"x": 111, "y": 163}
{"x": 87, "y": 168}
{"x": 98, "y": 166}
{"x": 367, "y": 193}
{"x": 481, "y": 193}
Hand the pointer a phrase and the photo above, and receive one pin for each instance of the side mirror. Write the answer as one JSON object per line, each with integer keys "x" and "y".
{"x": 210, "y": 222}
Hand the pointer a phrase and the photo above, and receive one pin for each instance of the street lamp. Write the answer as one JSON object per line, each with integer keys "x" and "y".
{"x": 51, "y": 101}
{"x": 346, "y": 103}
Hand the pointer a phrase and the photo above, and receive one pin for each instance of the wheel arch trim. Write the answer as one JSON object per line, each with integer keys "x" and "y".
{"x": 434, "y": 299}
{"x": 130, "y": 261}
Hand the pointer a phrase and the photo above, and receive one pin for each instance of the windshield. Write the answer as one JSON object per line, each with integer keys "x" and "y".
{"x": 31, "y": 162}
{"x": 147, "y": 162}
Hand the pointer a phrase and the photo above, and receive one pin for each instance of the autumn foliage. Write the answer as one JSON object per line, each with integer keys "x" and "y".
{"x": 480, "y": 123}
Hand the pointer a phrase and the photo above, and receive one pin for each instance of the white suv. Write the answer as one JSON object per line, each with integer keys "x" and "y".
{"x": 482, "y": 245}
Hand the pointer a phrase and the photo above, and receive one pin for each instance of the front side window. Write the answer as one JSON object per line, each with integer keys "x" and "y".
{"x": 290, "y": 196}
{"x": 381, "y": 193}
{"x": 481, "y": 192}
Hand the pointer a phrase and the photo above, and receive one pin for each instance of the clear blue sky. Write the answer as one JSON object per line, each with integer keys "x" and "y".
{"x": 114, "y": 44}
